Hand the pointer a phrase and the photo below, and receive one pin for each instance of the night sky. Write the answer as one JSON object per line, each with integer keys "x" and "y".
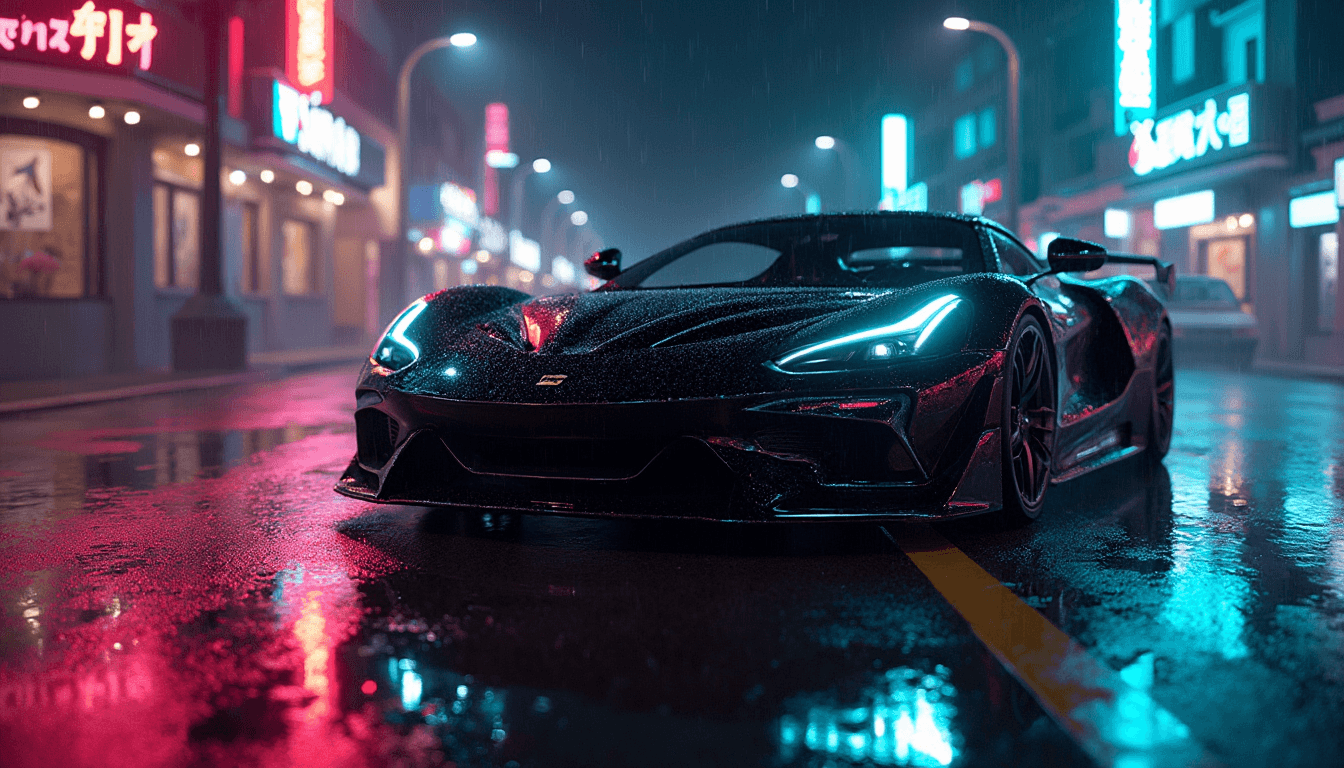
{"x": 671, "y": 117}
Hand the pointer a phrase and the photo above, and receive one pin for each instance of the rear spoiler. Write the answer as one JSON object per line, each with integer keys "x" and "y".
{"x": 1166, "y": 271}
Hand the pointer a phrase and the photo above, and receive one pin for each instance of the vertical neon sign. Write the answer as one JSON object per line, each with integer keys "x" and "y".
{"x": 310, "y": 31}
{"x": 1133, "y": 63}
{"x": 895, "y": 159}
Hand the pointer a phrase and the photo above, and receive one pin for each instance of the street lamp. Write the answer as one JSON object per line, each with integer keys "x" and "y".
{"x": 396, "y": 282}
{"x": 846, "y": 157}
{"x": 548, "y": 228}
{"x": 959, "y": 24}
{"x": 540, "y": 165}
{"x": 811, "y": 200}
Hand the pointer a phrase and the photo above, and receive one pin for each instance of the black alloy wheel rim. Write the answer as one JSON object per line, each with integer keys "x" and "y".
{"x": 1031, "y": 417}
{"x": 1164, "y": 391}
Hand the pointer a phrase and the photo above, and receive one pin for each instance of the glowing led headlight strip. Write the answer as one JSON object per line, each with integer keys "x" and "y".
{"x": 938, "y": 318}
{"x": 402, "y": 324}
{"x": 910, "y": 323}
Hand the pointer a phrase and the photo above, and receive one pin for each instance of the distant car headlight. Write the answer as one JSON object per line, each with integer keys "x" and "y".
{"x": 394, "y": 350}
{"x": 915, "y": 334}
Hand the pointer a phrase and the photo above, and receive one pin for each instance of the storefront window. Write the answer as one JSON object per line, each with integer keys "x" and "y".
{"x": 1227, "y": 261}
{"x": 1328, "y": 280}
{"x": 253, "y": 281}
{"x": 299, "y": 268}
{"x": 177, "y": 236}
{"x": 43, "y": 218}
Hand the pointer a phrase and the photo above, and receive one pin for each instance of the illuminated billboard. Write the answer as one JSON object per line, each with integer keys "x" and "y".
{"x": 310, "y": 45}
{"x": 1133, "y": 63}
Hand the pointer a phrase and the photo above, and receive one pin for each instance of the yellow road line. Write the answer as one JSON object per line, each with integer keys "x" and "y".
{"x": 1115, "y": 723}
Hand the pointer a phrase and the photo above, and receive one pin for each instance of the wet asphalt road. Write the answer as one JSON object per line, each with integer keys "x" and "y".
{"x": 180, "y": 586}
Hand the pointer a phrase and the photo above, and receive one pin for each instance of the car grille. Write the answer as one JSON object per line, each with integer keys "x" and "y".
{"x": 553, "y": 457}
{"x": 376, "y": 436}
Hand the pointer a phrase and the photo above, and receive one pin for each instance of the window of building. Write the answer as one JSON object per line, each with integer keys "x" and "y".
{"x": 1243, "y": 41}
{"x": 45, "y": 210}
{"x": 254, "y": 274}
{"x": 963, "y": 136}
{"x": 1183, "y": 48}
{"x": 299, "y": 264}
{"x": 988, "y": 127}
{"x": 177, "y": 236}
{"x": 1327, "y": 280}
{"x": 963, "y": 77}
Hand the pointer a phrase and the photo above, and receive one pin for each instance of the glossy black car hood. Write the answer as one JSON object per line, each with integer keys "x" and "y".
{"x": 608, "y": 321}
{"x": 632, "y": 345}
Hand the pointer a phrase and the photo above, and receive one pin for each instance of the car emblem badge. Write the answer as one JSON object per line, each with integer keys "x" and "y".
{"x": 551, "y": 380}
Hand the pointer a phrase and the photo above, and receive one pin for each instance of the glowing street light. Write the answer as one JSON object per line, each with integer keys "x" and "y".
{"x": 825, "y": 142}
{"x": 960, "y": 24}
{"x": 578, "y": 218}
{"x": 462, "y": 40}
{"x": 565, "y": 197}
{"x": 788, "y": 180}
{"x": 541, "y": 165}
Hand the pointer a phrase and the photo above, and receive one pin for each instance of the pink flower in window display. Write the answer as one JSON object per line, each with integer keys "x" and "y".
{"x": 40, "y": 263}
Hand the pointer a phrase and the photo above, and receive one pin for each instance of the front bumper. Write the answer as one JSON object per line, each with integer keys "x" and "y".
{"x": 871, "y": 453}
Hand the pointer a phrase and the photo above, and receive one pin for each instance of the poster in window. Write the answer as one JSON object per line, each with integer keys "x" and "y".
{"x": 1328, "y": 284}
{"x": 25, "y": 188}
{"x": 1227, "y": 261}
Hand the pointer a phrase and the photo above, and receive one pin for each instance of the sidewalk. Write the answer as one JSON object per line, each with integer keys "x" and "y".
{"x": 22, "y": 396}
{"x": 1301, "y": 370}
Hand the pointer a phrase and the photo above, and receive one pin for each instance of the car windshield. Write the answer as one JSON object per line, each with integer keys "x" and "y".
{"x": 1204, "y": 292}
{"x": 842, "y": 252}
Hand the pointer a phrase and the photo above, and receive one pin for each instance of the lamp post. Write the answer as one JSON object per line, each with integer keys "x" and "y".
{"x": 540, "y": 165}
{"x": 959, "y": 24}
{"x": 811, "y": 200}
{"x": 394, "y": 285}
{"x": 548, "y": 228}
{"x": 846, "y": 156}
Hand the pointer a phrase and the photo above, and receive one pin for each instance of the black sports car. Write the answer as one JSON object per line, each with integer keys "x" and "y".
{"x": 869, "y": 365}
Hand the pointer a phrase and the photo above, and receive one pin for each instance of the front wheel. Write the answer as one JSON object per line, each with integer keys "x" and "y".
{"x": 1028, "y": 422}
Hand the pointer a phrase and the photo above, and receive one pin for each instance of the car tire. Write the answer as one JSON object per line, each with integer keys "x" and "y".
{"x": 1160, "y": 423}
{"x": 1028, "y": 422}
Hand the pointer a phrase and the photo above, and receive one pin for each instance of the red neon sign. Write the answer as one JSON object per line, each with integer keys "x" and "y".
{"x": 112, "y": 35}
{"x": 991, "y": 191}
{"x": 310, "y": 47}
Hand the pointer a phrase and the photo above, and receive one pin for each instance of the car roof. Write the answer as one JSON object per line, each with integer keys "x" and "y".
{"x": 851, "y": 215}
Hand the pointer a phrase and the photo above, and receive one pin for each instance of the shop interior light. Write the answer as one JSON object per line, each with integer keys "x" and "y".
{"x": 483, "y": 257}
{"x": 97, "y": 112}
{"x": 266, "y": 176}
{"x": 1246, "y": 220}
{"x": 131, "y": 117}
{"x": 193, "y": 149}
{"x": 31, "y": 102}
{"x": 237, "y": 176}
{"x": 1116, "y": 223}
{"x": 524, "y": 276}
{"x": 333, "y": 197}
{"x": 1231, "y": 223}
{"x": 426, "y": 244}
{"x": 303, "y": 187}
{"x": 565, "y": 197}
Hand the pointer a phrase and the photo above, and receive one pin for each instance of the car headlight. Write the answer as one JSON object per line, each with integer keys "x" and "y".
{"x": 912, "y": 335}
{"x": 394, "y": 350}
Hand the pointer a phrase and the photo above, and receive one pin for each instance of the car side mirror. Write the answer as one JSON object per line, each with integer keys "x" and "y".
{"x": 1069, "y": 255}
{"x": 604, "y": 265}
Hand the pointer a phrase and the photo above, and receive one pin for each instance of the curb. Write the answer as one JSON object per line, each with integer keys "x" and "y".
{"x": 1300, "y": 370}
{"x": 254, "y": 376}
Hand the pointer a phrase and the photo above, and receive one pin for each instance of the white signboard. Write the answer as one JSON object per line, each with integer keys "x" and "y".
{"x": 523, "y": 252}
{"x": 1189, "y": 134}
{"x": 25, "y": 187}
{"x": 297, "y": 119}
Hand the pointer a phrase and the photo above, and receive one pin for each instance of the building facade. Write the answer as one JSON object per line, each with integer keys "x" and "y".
{"x": 101, "y": 136}
{"x": 1204, "y": 132}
